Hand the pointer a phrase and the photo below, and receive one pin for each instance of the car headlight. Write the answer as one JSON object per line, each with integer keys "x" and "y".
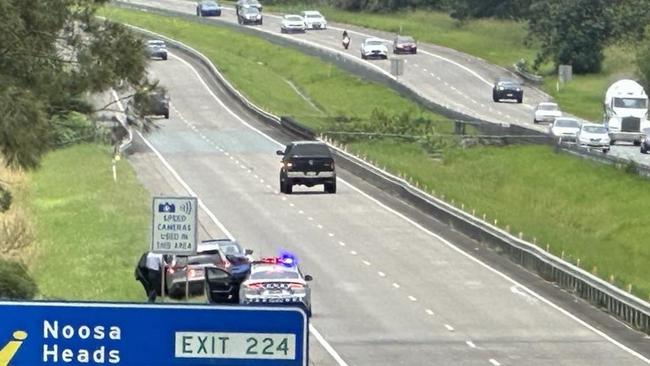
{"x": 518, "y": 89}
{"x": 501, "y": 88}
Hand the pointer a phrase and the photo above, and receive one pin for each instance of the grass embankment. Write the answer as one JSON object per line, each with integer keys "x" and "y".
{"x": 500, "y": 42}
{"x": 589, "y": 211}
{"x": 90, "y": 231}
{"x": 281, "y": 80}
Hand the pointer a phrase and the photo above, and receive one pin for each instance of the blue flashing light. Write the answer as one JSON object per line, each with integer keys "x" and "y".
{"x": 288, "y": 259}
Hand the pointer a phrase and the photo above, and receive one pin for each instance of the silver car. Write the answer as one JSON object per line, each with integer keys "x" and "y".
{"x": 374, "y": 48}
{"x": 276, "y": 281}
{"x": 156, "y": 48}
{"x": 564, "y": 129}
{"x": 292, "y": 23}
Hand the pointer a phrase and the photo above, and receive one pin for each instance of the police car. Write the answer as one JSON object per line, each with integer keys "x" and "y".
{"x": 276, "y": 281}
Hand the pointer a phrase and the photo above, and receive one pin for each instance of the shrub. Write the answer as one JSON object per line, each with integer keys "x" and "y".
{"x": 15, "y": 281}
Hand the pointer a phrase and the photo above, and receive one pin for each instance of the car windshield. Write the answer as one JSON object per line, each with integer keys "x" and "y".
{"x": 547, "y": 107}
{"x": 156, "y": 44}
{"x": 595, "y": 129}
{"x": 251, "y": 11}
{"x": 509, "y": 84}
{"x": 374, "y": 43}
{"x": 405, "y": 40}
{"x": 310, "y": 150}
{"x": 566, "y": 123}
{"x": 634, "y": 103}
{"x": 275, "y": 273}
{"x": 293, "y": 18}
{"x": 230, "y": 248}
{"x": 201, "y": 259}
{"x": 314, "y": 16}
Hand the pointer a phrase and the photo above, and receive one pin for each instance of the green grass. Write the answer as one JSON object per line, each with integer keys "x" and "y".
{"x": 90, "y": 231}
{"x": 500, "y": 42}
{"x": 262, "y": 70}
{"x": 586, "y": 210}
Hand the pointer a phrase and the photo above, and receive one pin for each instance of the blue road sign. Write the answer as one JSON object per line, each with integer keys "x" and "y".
{"x": 44, "y": 333}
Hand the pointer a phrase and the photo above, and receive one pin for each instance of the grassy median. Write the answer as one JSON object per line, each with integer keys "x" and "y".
{"x": 281, "y": 80}
{"x": 585, "y": 210}
{"x": 90, "y": 231}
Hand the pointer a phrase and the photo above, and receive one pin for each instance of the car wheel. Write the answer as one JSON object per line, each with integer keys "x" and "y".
{"x": 198, "y": 13}
{"x": 535, "y": 121}
{"x": 415, "y": 51}
{"x": 288, "y": 186}
{"x": 637, "y": 143}
{"x": 495, "y": 98}
{"x": 219, "y": 14}
{"x": 612, "y": 142}
{"x": 643, "y": 150}
{"x": 330, "y": 187}
{"x": 363, "y": 57}
{"x": 282, "y": 30}
{"x": 520, "y": 100}
{"x": 605, "y": 151}
{"x": 261, "y": 22}
{"x": 167, "y": 115}
{"x": 164, "y": 57}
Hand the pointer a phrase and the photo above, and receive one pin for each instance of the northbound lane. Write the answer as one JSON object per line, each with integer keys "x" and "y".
{"x": 386, "y": 290}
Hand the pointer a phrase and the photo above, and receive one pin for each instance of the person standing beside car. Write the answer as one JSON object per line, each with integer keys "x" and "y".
{"x": 155, "y": 265}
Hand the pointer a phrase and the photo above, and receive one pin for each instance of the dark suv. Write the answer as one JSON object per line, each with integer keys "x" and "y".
{"x": 505, "y": 88}
{"x": 307, "y": 163}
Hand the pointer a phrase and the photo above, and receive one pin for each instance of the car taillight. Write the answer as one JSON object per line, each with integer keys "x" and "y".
{"x": 254, "y": 286}
{"x": 296, "y": 286}
{"x": 288, "y": 164}
{"x": 192, "y": 273}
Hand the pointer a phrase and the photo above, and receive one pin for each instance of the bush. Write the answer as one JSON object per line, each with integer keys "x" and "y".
{"x": 73, "y": 128}
{"x": 15, "y": 282}
{"x": 643, "y": 60}
{"x": 5, "y": 199}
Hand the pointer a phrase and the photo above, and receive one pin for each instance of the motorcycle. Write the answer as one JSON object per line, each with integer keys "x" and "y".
{"x": 346, "y": 42}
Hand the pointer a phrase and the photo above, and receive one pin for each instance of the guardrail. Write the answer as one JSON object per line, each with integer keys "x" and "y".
{"x": 585, "y": 153}
{"x": 598, "y": 292}
{"x": 128, "y": 141}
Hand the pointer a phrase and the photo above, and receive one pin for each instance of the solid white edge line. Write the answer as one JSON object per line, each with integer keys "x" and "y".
{"x": 323, "y": 342}
{"x": 438, "y": 237}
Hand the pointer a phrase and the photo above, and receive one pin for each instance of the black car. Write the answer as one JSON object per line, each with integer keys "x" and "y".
{"x": 507, "y": 89}
{"x": 249, "y": 15}
{"x": 645, "y": 141}
{"x": 307, "y": 163}
{"x": 208, "y": 8}
{"x": 154, "y": 103}
{"x": 404, "y": 44}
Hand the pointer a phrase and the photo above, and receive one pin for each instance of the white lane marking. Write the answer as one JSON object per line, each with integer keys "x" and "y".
{"x": 429, "y": 232}
{"x": 290, "y": 203}
{"x": 353, "y": 252}
{"x": 366, "y": 262}
{"x": 226, "y": 153}
{"x": 470, "y": 344}
{"x": 330, "y": 234}
{"x": 494, "y": 362}
{"x": 301, "y": 212}
{"x": 396, "y": 285}
{"x": 341, "y": 243}
{"x": 413, "y": 298}
{"x": 429, "y": 311}
{"x": 256, "y": 176}
{"x": 526, "y": 296}
{"x": 449, "y": 327}
{"x": 284, "y": 198}
{"x": 319, "y": 226}
{"x": 381, "y": 274}
{"x": 310, "y": 218}
{"x": 323, "y": 342}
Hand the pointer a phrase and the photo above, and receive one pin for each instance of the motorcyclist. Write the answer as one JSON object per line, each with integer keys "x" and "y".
{"x": 346, "y": 39}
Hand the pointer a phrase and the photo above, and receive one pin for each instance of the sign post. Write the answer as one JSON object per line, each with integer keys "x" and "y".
{"x": 75, "y": 334}
{"x": 174, "y": 229}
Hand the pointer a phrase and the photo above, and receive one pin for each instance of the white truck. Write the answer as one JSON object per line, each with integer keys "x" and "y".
{"x": 626, "y": 111}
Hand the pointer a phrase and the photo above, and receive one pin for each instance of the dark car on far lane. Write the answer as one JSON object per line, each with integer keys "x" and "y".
{"x": 645, "y": 141}
{"x": 506, "y": 88}
{"x": 405, "y": 44}
{"x": 307, "y": 163}
{"x": 208, "y": 8}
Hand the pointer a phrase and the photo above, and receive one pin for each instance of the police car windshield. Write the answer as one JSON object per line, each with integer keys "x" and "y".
{"x": 275, "y": 273}
{"x": 230, "y": 248}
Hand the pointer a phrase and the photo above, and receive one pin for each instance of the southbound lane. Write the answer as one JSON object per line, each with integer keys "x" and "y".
{"x": 386, "y": 291}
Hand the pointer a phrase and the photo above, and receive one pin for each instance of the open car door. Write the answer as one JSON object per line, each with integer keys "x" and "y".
{"x": 220, "y": 286}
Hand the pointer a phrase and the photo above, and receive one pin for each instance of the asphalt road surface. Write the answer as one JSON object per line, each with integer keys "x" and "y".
{"x": 458, "y": 81}
{"x": 387, "y": 291}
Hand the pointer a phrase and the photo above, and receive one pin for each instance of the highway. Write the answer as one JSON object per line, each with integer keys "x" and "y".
{"x": 455, "y": 80}
{"x": 387, "y": 290}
